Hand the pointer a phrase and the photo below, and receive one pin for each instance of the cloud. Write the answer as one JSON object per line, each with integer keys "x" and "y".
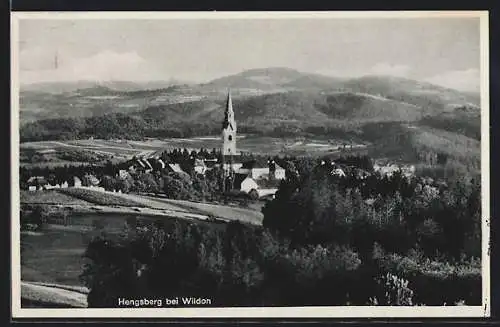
{"x": 462, "y": 80}
{"x": 390, "y": 69}
{"x": 37, "y": 66}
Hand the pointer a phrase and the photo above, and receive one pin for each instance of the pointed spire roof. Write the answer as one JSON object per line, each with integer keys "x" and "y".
{"x": 228, "y": 112}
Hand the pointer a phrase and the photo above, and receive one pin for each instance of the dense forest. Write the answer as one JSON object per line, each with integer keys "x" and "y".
{"x": 325, "y": 240}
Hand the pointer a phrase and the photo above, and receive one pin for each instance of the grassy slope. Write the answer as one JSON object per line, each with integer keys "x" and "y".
{"x": 53, "y": 256}
{"x": 221, "y": 211}
{"x": 33, "y": 295}
{"x": 49, "y": 197}
{"x": 98, "y": 197}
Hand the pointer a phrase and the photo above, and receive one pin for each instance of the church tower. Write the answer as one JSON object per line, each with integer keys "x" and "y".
{"x": 229, "y": 129}
{"x": 228, "y": 145}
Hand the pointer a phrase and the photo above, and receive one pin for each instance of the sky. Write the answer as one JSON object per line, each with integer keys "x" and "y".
{"x": 443, "y": 51}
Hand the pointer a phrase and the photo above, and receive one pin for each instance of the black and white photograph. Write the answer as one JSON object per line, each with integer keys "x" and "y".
{"x": 250, "y": 164}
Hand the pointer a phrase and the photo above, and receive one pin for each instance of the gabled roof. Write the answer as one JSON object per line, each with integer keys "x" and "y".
{"x": 37, "y": 179}
{"x": 176, "y": 168}
{"x": 148, "y": 165}
{"x": 238, "y": 179}
{"x": 162, "y": 163}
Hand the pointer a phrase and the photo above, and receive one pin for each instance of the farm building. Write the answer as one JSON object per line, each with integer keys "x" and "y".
{"x": 77, "y": 182}
{"x": 174, "y": 168}
{"x": 37, "y": 183}
{"x": 262, "y": 169}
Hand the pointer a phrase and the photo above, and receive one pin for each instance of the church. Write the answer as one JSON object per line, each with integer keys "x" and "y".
{"x": 254, "y": 176}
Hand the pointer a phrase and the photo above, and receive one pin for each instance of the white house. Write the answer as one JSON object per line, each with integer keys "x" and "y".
{"x": 248, "y": 184}
{"x": 175, "y": 168}
{"x": 200, "y": 167}
{"x": 258, "y": 169}
{"x": 266, "y": 192}
{"x": 77, "y": 182}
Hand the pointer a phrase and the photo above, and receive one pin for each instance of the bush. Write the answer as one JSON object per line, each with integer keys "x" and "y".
{"x": 436, "y": 282}
{"x": 33, "y": 217}
{"x": 394, "y": 291}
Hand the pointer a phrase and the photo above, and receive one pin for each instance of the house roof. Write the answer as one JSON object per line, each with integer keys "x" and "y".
{"x": 176, "y": 168}
{"x": 148, "y": 165}
{"x": 37, "y": 179}
{"x": 162, "y": 163}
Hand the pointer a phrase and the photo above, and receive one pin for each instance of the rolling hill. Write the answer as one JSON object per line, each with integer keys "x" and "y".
{"x": 270, "y": 101}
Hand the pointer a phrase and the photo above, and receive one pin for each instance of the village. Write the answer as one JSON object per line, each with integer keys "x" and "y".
{"x": 255, "y": 175}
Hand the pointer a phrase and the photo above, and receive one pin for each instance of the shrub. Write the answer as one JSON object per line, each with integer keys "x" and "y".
{"x": 394, "y": 291}
{"x": 436, "y": 282}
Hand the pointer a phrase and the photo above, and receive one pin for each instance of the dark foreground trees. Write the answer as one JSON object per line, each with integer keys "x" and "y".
{"x": 325, "y": 241}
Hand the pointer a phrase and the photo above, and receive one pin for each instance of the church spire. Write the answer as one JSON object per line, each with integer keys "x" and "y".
{"x": 229, "y": 128}
{"x": 229, "y": 113}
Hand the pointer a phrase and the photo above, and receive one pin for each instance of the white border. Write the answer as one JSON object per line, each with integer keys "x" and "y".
{"x": 253, "y": 312}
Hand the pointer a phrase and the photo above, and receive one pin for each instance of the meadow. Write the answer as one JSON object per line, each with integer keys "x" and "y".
{"x": 95, "y": 150}
{"x": 100, "y": 198}
{"x": 49, "y": 197}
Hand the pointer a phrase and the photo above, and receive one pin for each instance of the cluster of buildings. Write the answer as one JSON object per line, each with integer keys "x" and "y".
{"x": 36, "y": 183}
{"x": 257, "y": 176}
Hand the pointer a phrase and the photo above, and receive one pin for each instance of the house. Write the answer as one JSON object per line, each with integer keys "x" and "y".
{"x": 248, "y": 184}
{"x": 148, "y": 165}
{"x": 37, "y": 183}
{"x": 90, "y": 181}
{"x": 77, "y": 182}
{"x": 259, "y": 188}
{"x": 199, "y": 166}
{"x": 162, "y": 163}
{"x": 123, "y": 174}
{"x": 140, "y": 165}
{"x": 276, "y": 171}
{"x": 210, "y": 163}
{"x": 266, "y": 192}
{"x": 174, "y": 168}
{"x": 262, "y": 169}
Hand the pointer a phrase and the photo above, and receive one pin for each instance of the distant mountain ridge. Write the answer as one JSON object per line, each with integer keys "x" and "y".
{"x": 72, "y": 86}
{"x": 265, "y": 101}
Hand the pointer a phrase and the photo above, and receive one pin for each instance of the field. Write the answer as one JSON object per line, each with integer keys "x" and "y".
{"x": 63, "y": 152}
{"x": 49, "y": 197}
{"x": 100, "y": 198}
{"x": 215, "y": 210}
{"x": 53, "y": 256}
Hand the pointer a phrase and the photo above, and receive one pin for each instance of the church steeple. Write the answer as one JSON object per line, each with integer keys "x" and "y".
{"x": 229, "y": 129}
{"x": 229, "y": 113}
